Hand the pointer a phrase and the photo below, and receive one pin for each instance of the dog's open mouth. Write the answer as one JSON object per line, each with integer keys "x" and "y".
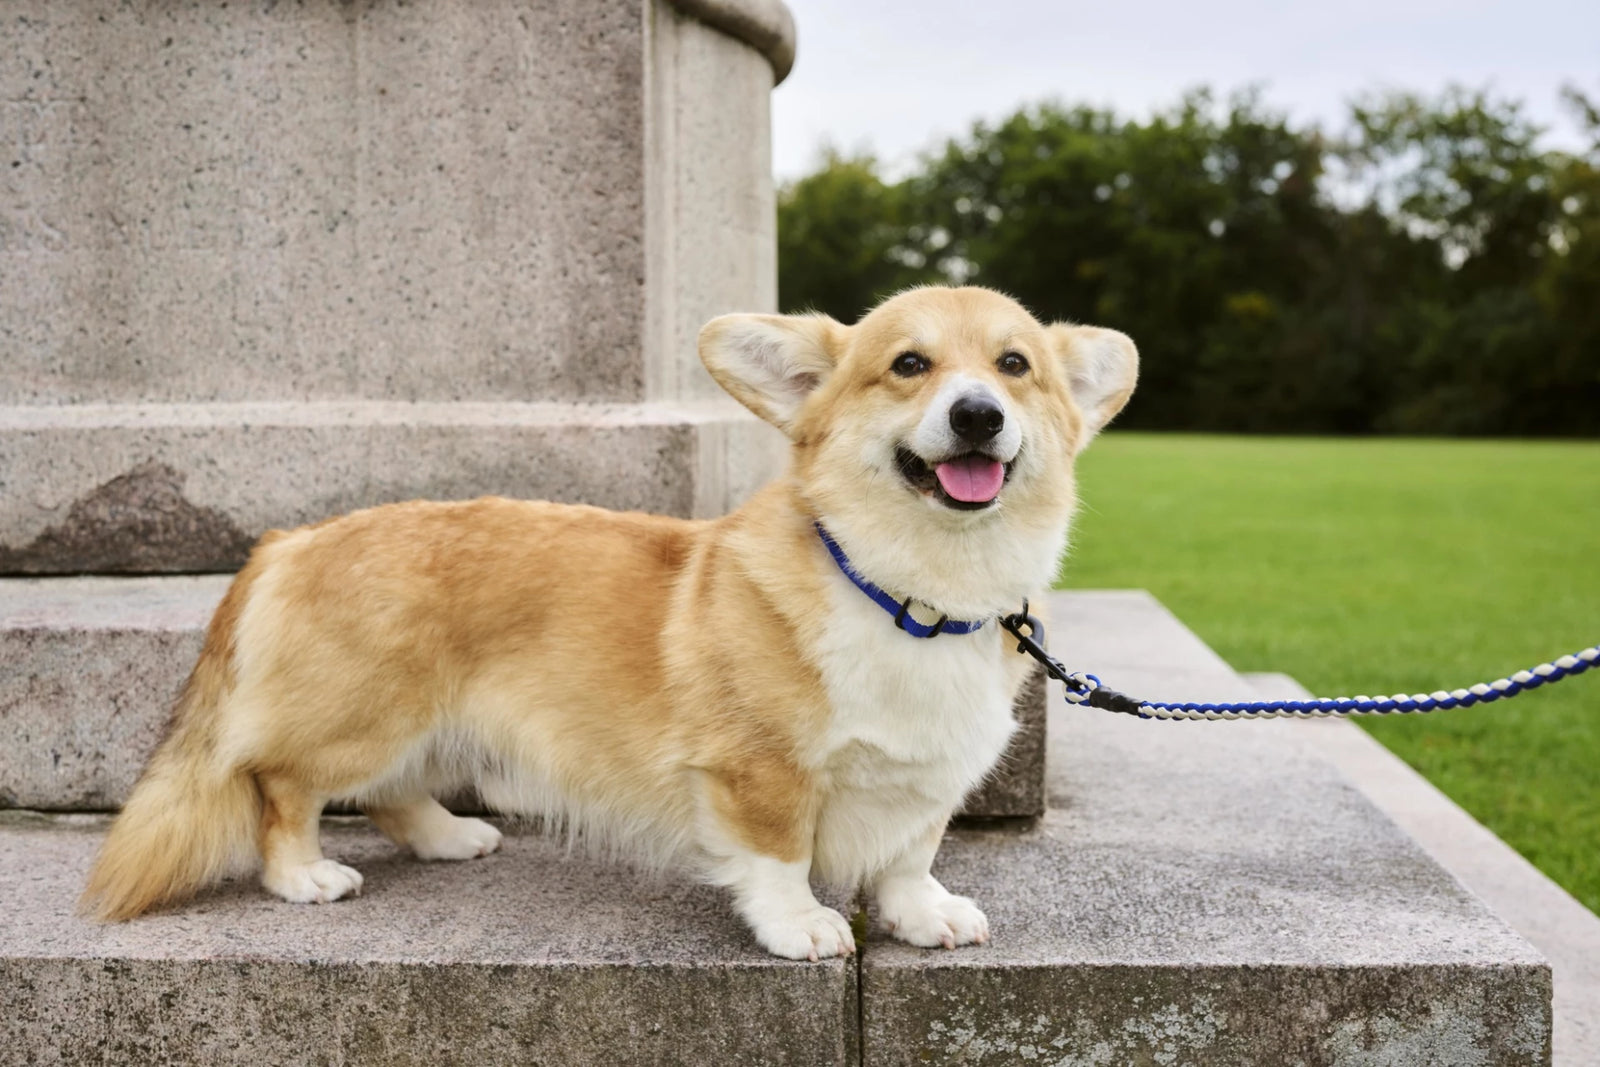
{"x": 968, "y": 482}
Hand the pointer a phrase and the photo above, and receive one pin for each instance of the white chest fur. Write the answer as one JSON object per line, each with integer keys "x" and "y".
{"x": 916, "y": 724}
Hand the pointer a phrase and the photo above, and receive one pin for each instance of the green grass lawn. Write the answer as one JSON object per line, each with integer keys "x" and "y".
{"x": 1385, "y": 566}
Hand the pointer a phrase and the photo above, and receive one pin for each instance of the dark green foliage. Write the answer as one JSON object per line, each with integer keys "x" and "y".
{"x": 1430, "y": 270}
{"x": 839, "y": 232}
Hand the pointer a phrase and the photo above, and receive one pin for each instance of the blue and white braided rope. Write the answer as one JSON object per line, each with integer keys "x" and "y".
{"x": 1081, "y": 686}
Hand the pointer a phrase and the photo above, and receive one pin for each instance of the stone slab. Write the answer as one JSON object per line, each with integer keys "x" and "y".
{"x": 1109, "y": 632}
{"x": 1201, "y": 893}
{"x": 89, "y": 668}
{"x": 150, "y": 488}
{"x": 527, "y": 956}
{"x": 319, "y": 200}
{"x": 439, "y": 201}
{"x": 1567, "y": 933}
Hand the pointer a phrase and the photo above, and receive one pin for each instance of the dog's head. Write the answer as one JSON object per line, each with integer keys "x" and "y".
{"x": 943, "y": 424}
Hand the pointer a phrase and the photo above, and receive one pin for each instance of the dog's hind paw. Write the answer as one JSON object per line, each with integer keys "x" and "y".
{"x": 458, "y": 839}
{"x": 314, "y": 883}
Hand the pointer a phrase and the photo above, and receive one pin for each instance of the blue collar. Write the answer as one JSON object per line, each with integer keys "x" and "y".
{"x": 900, "y": 610}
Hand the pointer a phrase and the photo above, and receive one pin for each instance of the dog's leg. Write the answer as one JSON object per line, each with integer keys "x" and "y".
{"x": 916, "y": 908}
{"x": 291, "y": 852}
{"x": 428, "y": 829}
{"x": 759, "y": 826}
{"x": 775, "y": 898}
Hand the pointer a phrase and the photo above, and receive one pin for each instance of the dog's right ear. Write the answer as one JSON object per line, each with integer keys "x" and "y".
{"x": 771, "y": 363}
{"x": 1102, "y": 368}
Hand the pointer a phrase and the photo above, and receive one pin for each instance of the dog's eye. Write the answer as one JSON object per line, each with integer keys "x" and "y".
{"x": 909, "y": 364}
{"x": 1013, "y": 363}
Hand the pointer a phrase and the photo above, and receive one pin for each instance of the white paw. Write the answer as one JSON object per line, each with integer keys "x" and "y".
{"x": 928, "y": 915}
{"x": 817, "y": 933}
{"x": 314, "y": 883}
{"x": 457, "y": 839}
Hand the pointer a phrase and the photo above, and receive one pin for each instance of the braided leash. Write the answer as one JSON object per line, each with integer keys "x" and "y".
{"x": 1086, "y": 689}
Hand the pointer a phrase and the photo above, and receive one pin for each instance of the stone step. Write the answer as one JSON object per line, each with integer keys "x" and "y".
{"x": 527, "y": 956}
{"x": 90, "y": 666}
{"x": 160, "y": 488}
{"x": 1202, "y": 893}
{"x": 1566, "y": 932}
{"x": 1210, "y": 893}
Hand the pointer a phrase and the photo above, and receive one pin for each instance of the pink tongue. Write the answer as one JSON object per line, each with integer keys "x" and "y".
{"x": 971, "y": 479}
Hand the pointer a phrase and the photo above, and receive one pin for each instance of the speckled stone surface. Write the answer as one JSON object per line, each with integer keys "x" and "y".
{"x": 434, "y": 201}
{"x": 89, "y": 668}
{"x": 442, "y": 201}
{"x": 1201, "y": 893}
{"x": 526, "y": 956}
{"x": 143, "y": 488}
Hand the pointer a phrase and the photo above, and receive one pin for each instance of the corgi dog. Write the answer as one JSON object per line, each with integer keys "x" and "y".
{"x": 804, "y": 689}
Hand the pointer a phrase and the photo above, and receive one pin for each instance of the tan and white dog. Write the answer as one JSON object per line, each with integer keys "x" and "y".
{"x": 711, "y": 692}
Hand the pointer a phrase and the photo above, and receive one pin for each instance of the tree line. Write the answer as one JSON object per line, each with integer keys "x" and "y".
{"x": 1432, "y": 268}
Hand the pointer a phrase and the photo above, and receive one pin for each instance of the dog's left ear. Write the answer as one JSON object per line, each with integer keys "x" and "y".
{"x": 1102, "y": 367}
{"x": 771, "y": 363}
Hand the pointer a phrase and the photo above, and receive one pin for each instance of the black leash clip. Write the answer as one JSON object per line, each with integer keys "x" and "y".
{"x": 1032, "y": 642}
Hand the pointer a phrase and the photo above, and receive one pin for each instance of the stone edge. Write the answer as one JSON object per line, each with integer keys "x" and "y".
{"x": 765, "y": 25}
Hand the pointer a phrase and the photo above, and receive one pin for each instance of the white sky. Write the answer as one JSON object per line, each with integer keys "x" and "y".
{"x": 897, "y": 77}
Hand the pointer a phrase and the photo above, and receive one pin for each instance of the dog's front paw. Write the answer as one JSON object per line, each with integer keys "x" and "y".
{"x": 314, "y": 883}
{"x": 922, "y": 912}
{"x": 813, "y": 934}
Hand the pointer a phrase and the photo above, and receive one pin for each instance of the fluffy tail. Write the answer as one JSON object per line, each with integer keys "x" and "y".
{"x": 191, "y": 819}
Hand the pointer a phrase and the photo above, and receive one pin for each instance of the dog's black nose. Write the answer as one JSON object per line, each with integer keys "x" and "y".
{"x": 976, "y": 418}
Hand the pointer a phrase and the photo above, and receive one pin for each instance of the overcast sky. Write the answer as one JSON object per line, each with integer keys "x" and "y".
{"x": 896, "y": 77}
